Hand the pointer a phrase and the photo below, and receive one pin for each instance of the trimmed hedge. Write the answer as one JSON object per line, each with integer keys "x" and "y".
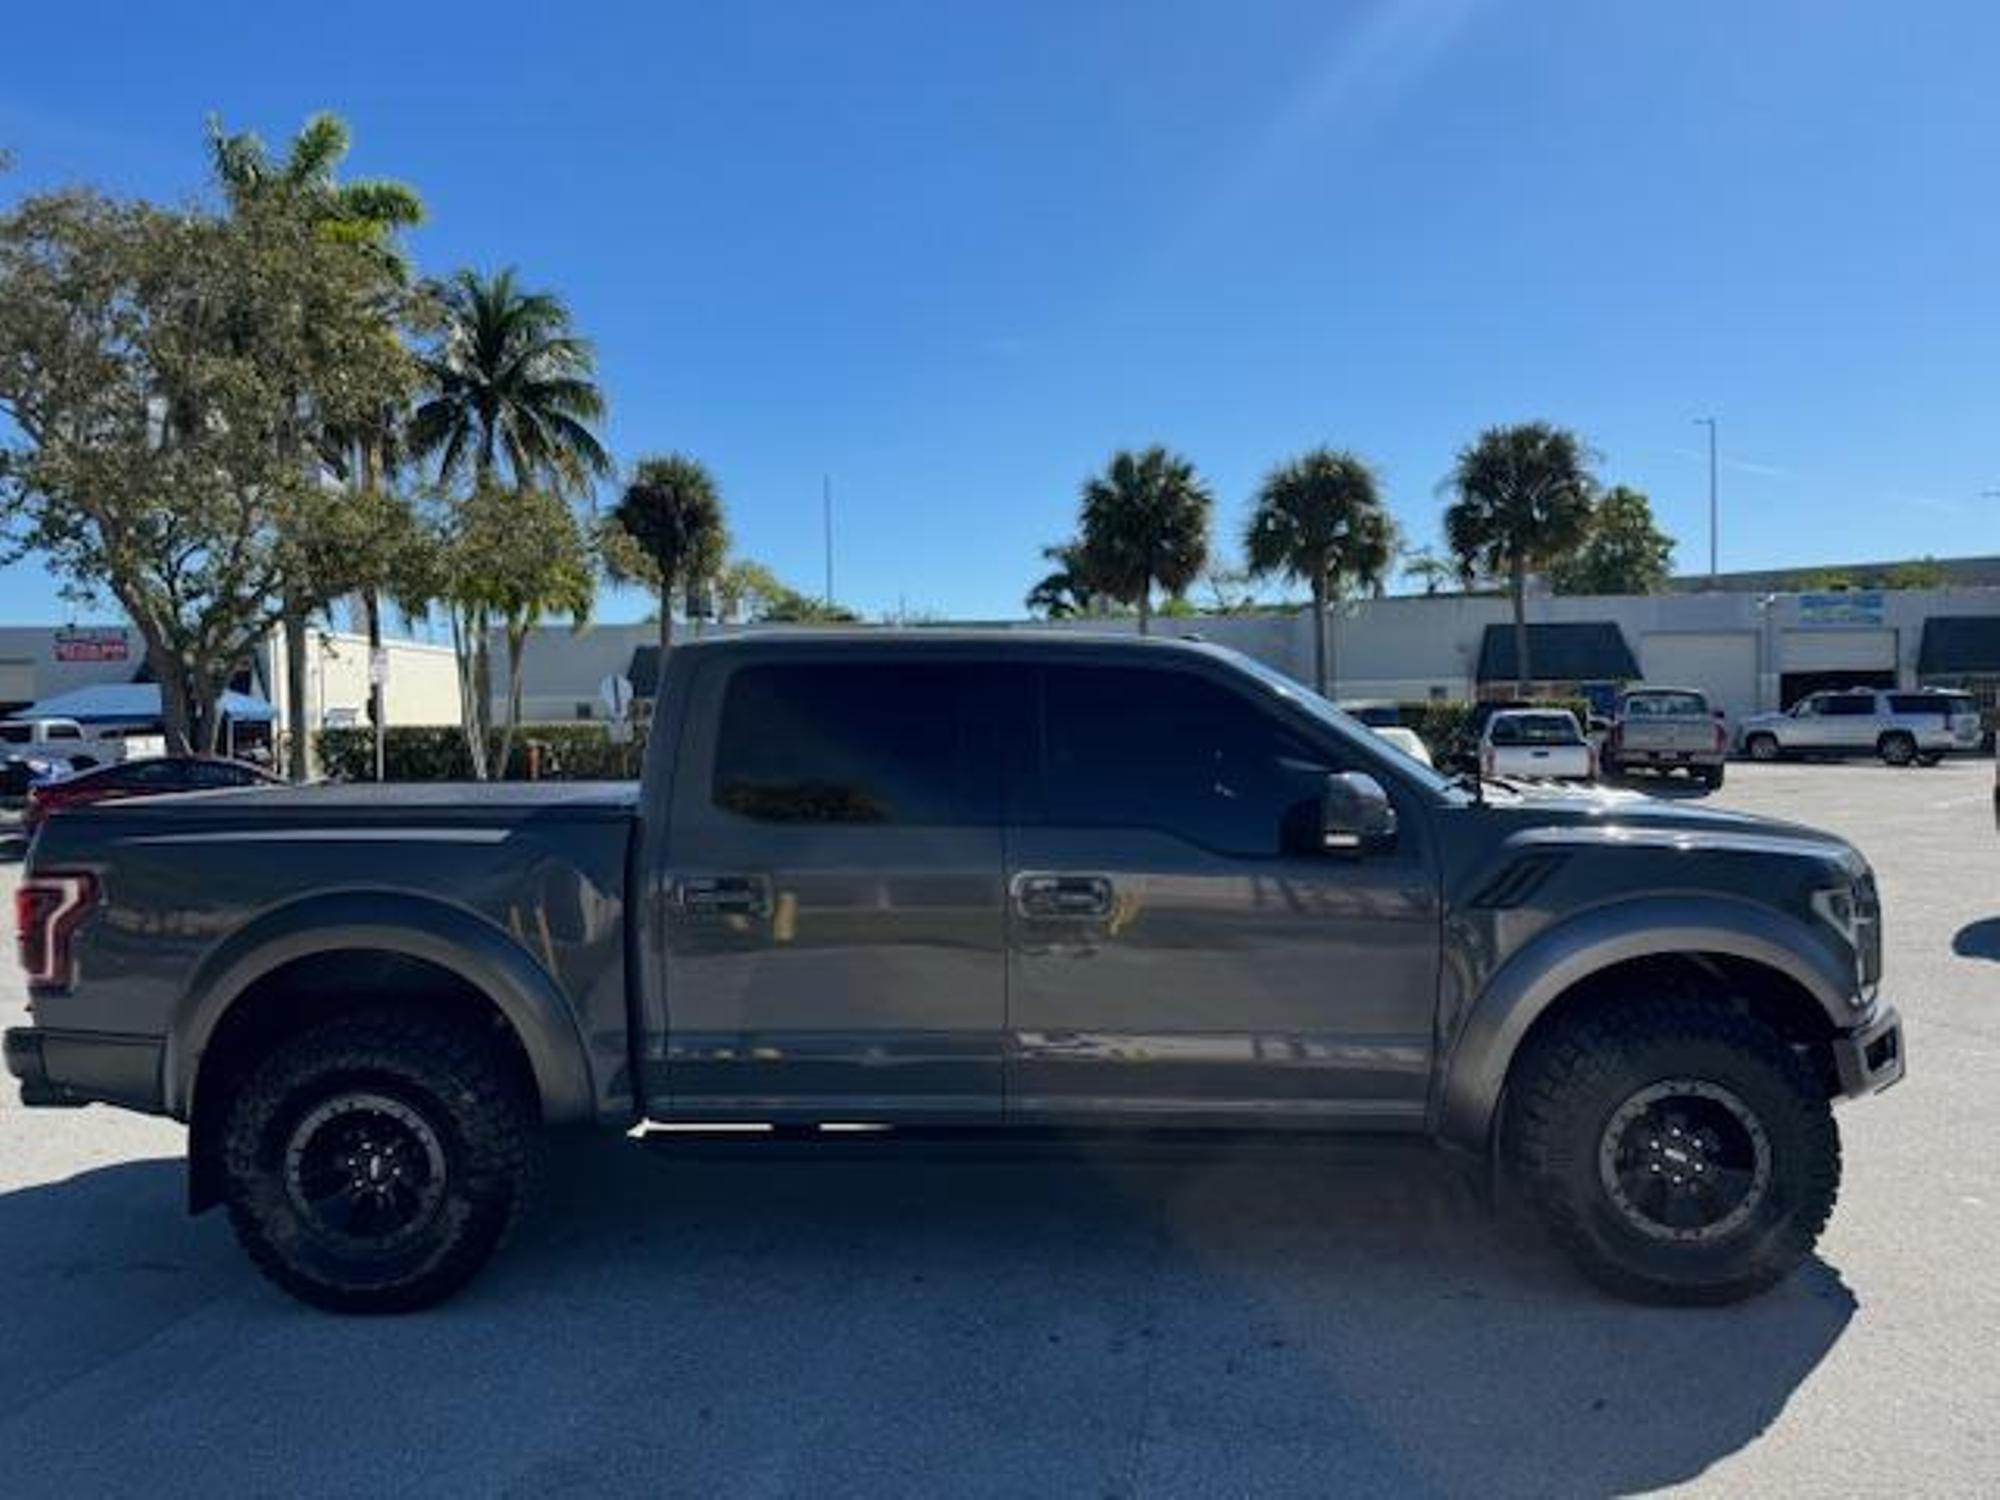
{"x": 570, "y": 752}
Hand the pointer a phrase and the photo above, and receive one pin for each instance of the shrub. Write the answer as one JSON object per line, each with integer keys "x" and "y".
{"x": 569, "y": 752}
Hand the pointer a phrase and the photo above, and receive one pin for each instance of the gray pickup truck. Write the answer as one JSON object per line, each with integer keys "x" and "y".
{"x": 965, "y": 880}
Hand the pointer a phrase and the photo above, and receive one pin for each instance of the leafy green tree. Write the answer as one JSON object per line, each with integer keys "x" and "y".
{"x": 1919, "y": 573}
{"x": 1144, "y": 524}
{"x": 668, "y": 531}
{"x": 162, "y": 373}
{"x": 1319, "y": 518}
{"x": 1523, "y": 502}
{"x": 509, "y": 380}
{"x": 1625, "y": 553}
{"x": 366, "y": 215}
{"x": 512, "y": 555}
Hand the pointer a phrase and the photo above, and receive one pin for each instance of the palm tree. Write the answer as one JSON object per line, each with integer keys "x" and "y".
{"x": 1320, "y": 518}
{"x": 509, "y": 379}
{"x": 1524, "y": 501}
{"x": 1429, "y": 569}
{"x": 1145, "y": 522}
{"x": 366, "y": 213}
{"x": 668, "y": 530}
{"x": 1066, "y": 590}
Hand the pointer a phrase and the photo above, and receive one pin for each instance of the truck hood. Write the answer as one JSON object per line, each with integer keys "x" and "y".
{"x": 1600, "y": 815}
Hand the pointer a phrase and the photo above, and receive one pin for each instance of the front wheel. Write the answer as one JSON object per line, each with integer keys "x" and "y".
{"x": 1678, "y": 1151}
{"x": 1897, "y": 749}
{"x": 375, "y": 1163}
{"x": 1761, "y": 747}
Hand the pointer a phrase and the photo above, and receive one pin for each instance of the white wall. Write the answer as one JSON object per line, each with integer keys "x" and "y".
{"x": 28, "y": 661}
{"x": 422, "y": 687}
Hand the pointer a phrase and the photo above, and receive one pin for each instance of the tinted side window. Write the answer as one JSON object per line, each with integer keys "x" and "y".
{"x": 64, "y": 732}
{"x": 854, "y": 743}
{"x": 1125, "y": 747}
{"x": 1848, "y": 705}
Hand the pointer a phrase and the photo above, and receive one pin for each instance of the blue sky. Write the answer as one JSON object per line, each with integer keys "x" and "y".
{"x": 953, "y": 254}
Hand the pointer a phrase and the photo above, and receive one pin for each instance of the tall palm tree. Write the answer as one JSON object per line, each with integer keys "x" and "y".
{"x": 671, "y": 517}
{"x": 367, "y": 212}
{"x": 1429, "y": 569}
{"x": 509, "y": 379}
{"x": 1525, "y": 496}
{"x": 1320, "y": 518}
{"x": 1144, "y": 522}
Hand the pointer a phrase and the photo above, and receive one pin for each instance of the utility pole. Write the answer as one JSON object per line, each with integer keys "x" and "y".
{"x": 1713, "y": 514}
{"x": 826, "y": 510}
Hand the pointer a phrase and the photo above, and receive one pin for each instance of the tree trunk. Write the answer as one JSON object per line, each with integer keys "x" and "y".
{"x": 666, "y": 622}
{"x": 1319, "y": 633}
{"x": 298, "y": 747}
{"x": 517, "y": 648}
{"x": 1146, "y": 609}
{"x": 465, "y": 638}
{"x": 1517, "y": 587}
{"x": 176, "y": 715}
{"x": 371, "y": 604}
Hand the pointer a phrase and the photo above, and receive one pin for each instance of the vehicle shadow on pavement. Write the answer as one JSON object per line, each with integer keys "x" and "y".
{"x": 1239, "y": 1321}
{"x": 1979, "y": 939}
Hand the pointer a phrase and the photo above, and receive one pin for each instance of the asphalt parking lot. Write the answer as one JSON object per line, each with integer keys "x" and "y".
{"x": 1242, "y": 1322}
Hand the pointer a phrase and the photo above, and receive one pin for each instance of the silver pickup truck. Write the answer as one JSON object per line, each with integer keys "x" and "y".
{"x": 964, "y": 879}
{"x": 1666, "y": 729}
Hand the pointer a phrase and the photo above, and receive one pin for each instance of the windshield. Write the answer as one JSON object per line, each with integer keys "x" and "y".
{"x": 1333, "y": 718}
{"x": 1666, "y": 706}
{"x": 1534, "y": 729}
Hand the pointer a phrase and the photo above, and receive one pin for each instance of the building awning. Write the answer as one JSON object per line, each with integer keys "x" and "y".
{"x": 133, "y": 703}
{"x": 1585, "y": 651}
{"x": 643, "y": 671}
{"x": 1959, "y": 643}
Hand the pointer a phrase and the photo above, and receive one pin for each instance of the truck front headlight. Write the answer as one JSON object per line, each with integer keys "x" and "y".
{"x": 1854, "y": 911}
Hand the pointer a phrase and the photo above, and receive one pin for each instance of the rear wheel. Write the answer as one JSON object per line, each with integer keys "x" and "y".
{"x": 375, "y": 1163}
{"x": 1712, "y": 776}
{"x": 1896, "y": 748}
{"x": 1679, "y": 1151}
{"x": 1761, "y": 747}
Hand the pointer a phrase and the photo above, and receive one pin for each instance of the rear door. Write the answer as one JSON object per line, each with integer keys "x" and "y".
{"x": 832, "y": 897}
{"x": 1176, "y": 954}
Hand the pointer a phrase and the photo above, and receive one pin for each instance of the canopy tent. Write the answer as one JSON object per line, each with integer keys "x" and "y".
{"x": 1960, "y": 646}
{"x": 1578, "y": 651}
{"x": 134, "y": 703}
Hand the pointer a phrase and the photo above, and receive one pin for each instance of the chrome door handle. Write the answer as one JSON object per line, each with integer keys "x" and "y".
{"x": 723, "y": 895}
{"x": 1042, "y": 895}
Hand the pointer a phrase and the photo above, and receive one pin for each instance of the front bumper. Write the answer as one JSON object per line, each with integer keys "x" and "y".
{"x": 1870, "y": 1059}
{"x": 62, "y": 1069}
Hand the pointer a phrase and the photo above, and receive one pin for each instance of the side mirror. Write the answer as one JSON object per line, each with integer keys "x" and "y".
{"x": 1356, "y": 816}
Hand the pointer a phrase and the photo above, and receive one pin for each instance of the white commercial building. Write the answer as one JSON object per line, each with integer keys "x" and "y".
{"x": 1749, "y": 651}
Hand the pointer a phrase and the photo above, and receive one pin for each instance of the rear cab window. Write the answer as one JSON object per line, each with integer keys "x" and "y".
{"x": 1665, "y": 706}
{"x": 1534, "y": 729}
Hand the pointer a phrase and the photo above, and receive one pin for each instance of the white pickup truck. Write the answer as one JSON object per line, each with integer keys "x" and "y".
{"x": 67, "y": 740}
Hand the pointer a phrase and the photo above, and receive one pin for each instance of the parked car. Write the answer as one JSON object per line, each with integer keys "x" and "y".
{"x": 51, "y": 738}
{"x": 1918, "y": 727}
{"x": 21, "y": 774}
{"x": 153, "y": 777}
{"x": 1536, "y": 743}
{"x": 1406, "y": 740}
{"x": 968, "y": 878}
{"x": 1667, "y": 729}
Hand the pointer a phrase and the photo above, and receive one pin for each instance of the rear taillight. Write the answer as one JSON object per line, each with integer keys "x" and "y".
{"x": 1617, "y": 738}
{"x": 48, "y": 909}
{"x": 1487, "y": 761}
{"x": 1593, "y": 762}
{"x": 1721, "y": 735}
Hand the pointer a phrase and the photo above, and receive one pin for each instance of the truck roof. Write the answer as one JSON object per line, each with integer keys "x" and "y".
{"x": 896, "y": 638}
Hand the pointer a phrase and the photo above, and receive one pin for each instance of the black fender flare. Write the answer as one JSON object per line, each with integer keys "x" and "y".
{"x": 1478, "y": 1059}
{"x": 419, "y": 927}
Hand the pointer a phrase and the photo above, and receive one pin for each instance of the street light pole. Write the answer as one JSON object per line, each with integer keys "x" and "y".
{"x": 1713, "y": 513}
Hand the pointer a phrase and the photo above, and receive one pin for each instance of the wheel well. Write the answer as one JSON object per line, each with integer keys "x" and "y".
{"x": 1756, "y": 989}
{"x": 308, "y": 991}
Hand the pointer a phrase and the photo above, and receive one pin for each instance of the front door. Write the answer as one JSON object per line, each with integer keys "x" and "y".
{"x": 1180, "y": 949}
{"x": 834, "y": 914}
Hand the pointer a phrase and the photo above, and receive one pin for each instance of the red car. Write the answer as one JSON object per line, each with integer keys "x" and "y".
{"x": 151, "y": 777}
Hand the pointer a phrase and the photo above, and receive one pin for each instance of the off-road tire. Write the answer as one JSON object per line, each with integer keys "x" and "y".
{"x": 466, "y": 1107}
{"x": 1566, "y": 1095}
{"x": 1764, "y": 747}
{"x": 1897, "y": 748}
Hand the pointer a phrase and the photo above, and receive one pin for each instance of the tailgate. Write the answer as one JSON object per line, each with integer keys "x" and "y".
{"x": 1689, "y": 736}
